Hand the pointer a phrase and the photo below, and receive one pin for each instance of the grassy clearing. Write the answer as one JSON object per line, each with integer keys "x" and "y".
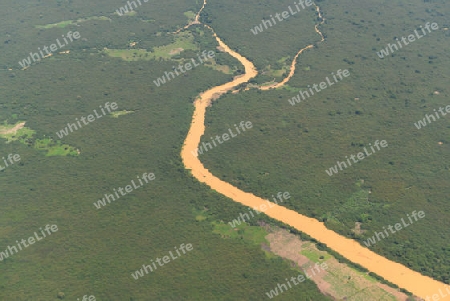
{"x": 184, "y": 41}
{"x": 120, "y": 113}
{"x": 22, "y": 134}
{"x": 190, "y": 15}
{"x": 290, "y": 89}
{"x": 275, "y": 71}
{"x": 356, "y": 205}
{"x": 63, "y": 24}
{"x": 314, "y": 255}
{"x": 54, "y": 148}
{"x": 222, "y": 68}
{"x": 129, "y": 14}
{"x": 254, "y": 234}
{"x": 25, "y": 136}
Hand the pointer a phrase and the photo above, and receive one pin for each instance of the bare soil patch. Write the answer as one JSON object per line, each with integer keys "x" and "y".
{"x": 12, "y": 130}
{"x": 176, "y": 51}
{"x": 338, "y": 281}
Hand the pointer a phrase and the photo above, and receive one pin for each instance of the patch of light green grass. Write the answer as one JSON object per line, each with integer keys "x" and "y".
{"x": 199, "y": 31}
{"x": 255, "y": 234}
{"x": 290, "y": 89}
{"x": 190, "y": 15}
{"x": 200, "y": 218}
{"x": 184, "y": 41}
{"x": 63, "y": 24}
{"x": 221, "y": 68}
{"x": 283, "y": 59}
{"x": 358, "y": 202}
{"x": 22, "y": 135}
{"x": 130, "y": 13}
{"x": 120, "y": 113}
{"x": 25, "y": 135}
{"x": 315, "y": 256}
{"x": 55, "y": 148}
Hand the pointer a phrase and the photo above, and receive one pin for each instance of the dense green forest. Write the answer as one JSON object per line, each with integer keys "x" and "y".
{"x": 290, "y": 147}
{"x": 95, "y": 251}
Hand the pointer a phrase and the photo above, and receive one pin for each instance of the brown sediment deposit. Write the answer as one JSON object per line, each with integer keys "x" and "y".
{"x": 396, "y": 273}
{"x": 176, "y": 51}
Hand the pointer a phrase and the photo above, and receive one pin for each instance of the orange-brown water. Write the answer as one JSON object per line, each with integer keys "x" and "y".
{"x": 396, "y": 273}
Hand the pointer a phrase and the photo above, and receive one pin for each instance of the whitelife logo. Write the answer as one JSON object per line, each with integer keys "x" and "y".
{"x": 411, "y": 38}
{"x": 124, "y": 9}
{"x": 187, "y": 66}
{"x": 285, "y": 15}
{"x": 165, "y": 259}
{"x": 262, "y": 208}
{"x": 273, "y": 293}
{"x": 423, "y": 123}
{"x": 9, "y": 251}
{"x": 442, "y": 294}
{"x": 146, "y": 177}
{"x": 322, "y": 85}
{"x": 35, "y": 56}
{"x": 204, "y": 147}
{"x": 360, "y": 155}
{"x": 371, "y": 240}
{"x": 16, "y": 158}
{"x": 90, "y": 118}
